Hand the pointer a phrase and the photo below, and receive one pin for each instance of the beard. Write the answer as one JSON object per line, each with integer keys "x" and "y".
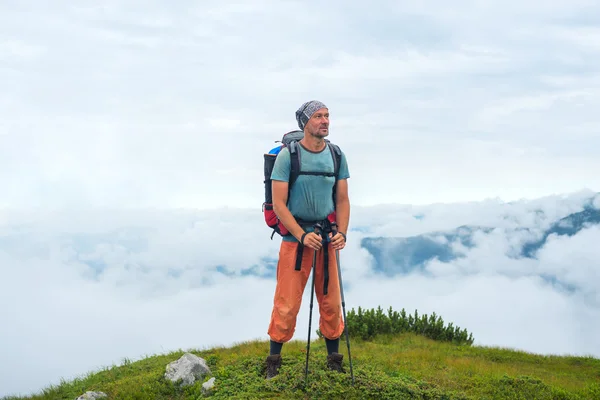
{"x": 320, "y": 134}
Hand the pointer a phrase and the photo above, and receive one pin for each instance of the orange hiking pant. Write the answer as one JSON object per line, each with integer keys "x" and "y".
{"x": 290, "y": 287}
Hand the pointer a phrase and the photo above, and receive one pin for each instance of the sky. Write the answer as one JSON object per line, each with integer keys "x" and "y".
{"x": 130, "y": 104}
{"x": 131, "y": 142}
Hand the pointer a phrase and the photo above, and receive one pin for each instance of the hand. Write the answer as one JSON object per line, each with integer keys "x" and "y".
{"x": 338, "y": 242}
{"x": 313, "y": 241}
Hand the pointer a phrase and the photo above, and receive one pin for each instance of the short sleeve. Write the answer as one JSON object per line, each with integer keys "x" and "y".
{"x": 281, "y": 168}
{"x": 344, "y": 170}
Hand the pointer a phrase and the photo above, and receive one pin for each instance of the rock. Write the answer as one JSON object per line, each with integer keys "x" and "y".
{"x": 188, "y": 369}
{"x": 92, "y": 396}
{"x": 208, "y": 386}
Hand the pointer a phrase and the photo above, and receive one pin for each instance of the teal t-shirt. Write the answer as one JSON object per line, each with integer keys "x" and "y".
{"x": 310, "y": 198}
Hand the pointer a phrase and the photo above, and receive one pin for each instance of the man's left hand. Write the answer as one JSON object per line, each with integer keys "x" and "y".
{"x": 338, "y": 242}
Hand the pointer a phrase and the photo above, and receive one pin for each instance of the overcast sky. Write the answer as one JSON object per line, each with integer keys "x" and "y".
{"x": 108, "y": 110}
{"x": 116, "y": 104}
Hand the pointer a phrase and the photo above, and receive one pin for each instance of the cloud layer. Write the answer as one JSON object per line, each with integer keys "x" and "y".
{"x": 84, "y": 289}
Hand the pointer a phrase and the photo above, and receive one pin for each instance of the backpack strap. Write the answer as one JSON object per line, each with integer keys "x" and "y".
{"x": 295, "y": 165}
{"x": 336, "y": 153}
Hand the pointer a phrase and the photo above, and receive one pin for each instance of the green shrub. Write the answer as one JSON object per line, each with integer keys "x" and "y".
{"x": 367, "y": 324}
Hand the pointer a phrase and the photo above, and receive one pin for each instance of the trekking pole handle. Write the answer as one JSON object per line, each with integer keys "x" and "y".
{"x": 334, "y": 229}
{"x": 318, "y": 228}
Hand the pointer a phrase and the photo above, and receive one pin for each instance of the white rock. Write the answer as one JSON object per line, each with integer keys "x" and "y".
{"x": 92, "y": 396}
{"x": 188, "y": 369}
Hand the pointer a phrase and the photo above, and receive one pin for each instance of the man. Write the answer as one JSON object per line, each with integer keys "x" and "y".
{"x": 310, "y": 200}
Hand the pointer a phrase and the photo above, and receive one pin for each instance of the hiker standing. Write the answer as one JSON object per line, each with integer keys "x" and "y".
{"x": 315, "y": 197}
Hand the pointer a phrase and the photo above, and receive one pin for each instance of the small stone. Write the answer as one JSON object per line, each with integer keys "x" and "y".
{"x": 208, "y": 386}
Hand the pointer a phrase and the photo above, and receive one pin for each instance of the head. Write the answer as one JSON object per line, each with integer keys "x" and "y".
{"x": 313, "y": 119}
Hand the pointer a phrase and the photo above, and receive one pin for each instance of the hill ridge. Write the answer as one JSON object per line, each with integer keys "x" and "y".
{"x": 400, "y": 365}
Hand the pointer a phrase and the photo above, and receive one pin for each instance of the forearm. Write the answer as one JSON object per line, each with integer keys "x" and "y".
{"x": 343, "y": 215}
{"x": 288, "y": 220}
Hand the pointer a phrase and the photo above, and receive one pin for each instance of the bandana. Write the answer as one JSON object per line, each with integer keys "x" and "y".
{"x": 306, "y": 111}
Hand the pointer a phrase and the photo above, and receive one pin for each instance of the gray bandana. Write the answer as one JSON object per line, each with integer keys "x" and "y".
{"x": 306, "y": 111}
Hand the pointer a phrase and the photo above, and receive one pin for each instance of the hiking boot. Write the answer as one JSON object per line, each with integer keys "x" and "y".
{"x": 334, "y": 362}
{"x": 273, "y": 364}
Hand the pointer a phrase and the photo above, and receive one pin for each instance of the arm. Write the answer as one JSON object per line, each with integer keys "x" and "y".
{"x": 342, "y": 206}
{"x": 280, "y": 194}
{"x": 279, "y": 189}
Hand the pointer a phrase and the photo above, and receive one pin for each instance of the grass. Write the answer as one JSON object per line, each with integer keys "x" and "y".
{"x": 401, "y": 366}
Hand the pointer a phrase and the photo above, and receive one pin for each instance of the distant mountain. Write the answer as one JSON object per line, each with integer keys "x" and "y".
{"x": 394, "y": 256}
{"x": 403, "y": 255}
{"x": 567, "y": 226}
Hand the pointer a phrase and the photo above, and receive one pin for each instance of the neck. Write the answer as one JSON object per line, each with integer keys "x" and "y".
{"x": 313, "y": 143}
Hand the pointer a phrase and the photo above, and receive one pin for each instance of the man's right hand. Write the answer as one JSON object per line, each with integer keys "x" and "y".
{"x": 313, "y": 241}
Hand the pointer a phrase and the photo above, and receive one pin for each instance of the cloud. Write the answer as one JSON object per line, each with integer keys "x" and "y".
{"x": 117, "y": 105}
{"x": 115, "y": 283}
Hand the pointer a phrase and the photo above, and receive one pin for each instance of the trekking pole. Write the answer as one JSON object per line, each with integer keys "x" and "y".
{"x": 312, "y": 292}
{"x": 337, "y": 257}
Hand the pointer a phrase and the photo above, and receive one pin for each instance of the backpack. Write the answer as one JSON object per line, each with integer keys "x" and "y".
{"x": 290, "y": 140}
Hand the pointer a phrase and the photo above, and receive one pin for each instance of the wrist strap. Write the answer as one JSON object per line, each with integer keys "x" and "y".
{"x": 343, "y": 234}
{"x": 302, "y": 238}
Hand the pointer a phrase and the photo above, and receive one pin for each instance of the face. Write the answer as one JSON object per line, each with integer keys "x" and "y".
{"x": 318, "y": 125}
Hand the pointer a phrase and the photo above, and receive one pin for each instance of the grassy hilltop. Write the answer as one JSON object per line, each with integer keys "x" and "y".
{"x": 394, "y": 356}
